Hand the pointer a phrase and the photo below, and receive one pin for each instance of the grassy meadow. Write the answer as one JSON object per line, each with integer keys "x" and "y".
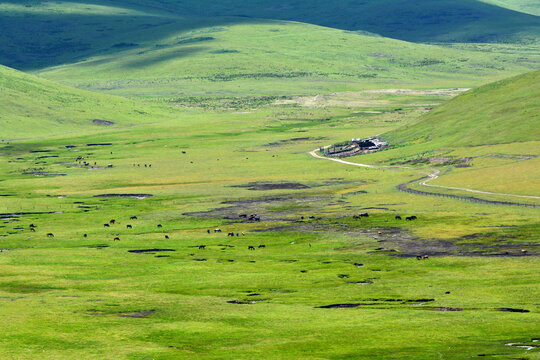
{"x": 176, "y": 119}
{"x": 74, "y": 296}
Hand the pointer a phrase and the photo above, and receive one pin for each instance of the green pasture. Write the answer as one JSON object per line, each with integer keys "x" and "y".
{"x": 88, "y": 297}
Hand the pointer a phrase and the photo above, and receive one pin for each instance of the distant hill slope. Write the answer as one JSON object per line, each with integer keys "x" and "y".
{"x": 417, "y": 21}
{"x": 507, "y": 111}
{"x": 274, "y": 58}
{"x": 526, "y": 6}
{"x": 31, "y": 106}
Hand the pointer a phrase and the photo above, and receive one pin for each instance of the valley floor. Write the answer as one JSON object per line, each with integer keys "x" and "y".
{"x": 302, "y": 276}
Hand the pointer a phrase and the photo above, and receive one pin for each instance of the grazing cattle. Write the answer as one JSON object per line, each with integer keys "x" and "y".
{"x": 242, "y": 216}
{"x": 251, "y": 247}
{"x": 262, "y": 246}
{"x": 237, "y": 234}
{"x": 166, "y": 236}
{"x": 380, "y": 232}
{"x": 129, "y": 226}
{"x": 217, "y": 230}
{"x": 112, "y": 221}
{"x": 183, "y": 152}
{"x": 230, "y": 234}
{"x": 116, "y": 238}
{"x": 133, "y": 218}
{"x": 523, "y": 251}
{"x": 208, "y": 231}
{"x": 312, "y": 217}
{"x": 410, "y": 218}
{"x": 50, "y": 235}
{"x": 356, "y": 217}
{"x": 202, "y": 247}
{"x": 32, "y": 226}
{"x": 426, "y": 257}
{"x": 397, "y": 217}
{"x": 364, "y": 215}
{"x": 418, "y": 257}
{"x": 243, "y": 234}
{"x": 106, "y": 225}
{"x": 85, "y": 235}
{"x": 32, "y": 229}
{"x": 159, "y": 225}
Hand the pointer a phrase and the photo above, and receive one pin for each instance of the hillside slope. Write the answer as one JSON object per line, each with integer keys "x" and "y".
{"x": 417, "y": 21}
{"x": 507, "y": 111}
{"x": 275, "y": 58}
{"x": 32, "y": 106}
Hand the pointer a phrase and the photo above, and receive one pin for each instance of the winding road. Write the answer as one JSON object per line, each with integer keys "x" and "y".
{"x": 432, "y": 176}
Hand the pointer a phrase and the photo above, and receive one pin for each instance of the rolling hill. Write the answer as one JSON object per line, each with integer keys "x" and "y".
{"x": 417, "y": 21}
{"x": 32, "y": 107}
{"x": 502, "y": 112}
{"x": 164, "y": 50}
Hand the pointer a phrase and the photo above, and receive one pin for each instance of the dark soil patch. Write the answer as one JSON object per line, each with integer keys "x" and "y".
{"x": 148, "y": 251}
{"x": 47, "y": 156}
{"x": 42, "y": 174}
{"x": 513, "y": 310}
{"x": 99, "y": 246}
{"x": 139, "y": 315}
{"x": 293, "y": 140}
{"x": 99, "y": 144}
{"x": 136, "y": 196}
{"x": 103, "y": 122}
{"x": 14, "y": 215}
{"x": 40, "y": 151}
{"x": 273, "y": 186}
{"x": 199, "y": 260}
{"x": 339, "y": 306}
{"x": 446, "y": 309}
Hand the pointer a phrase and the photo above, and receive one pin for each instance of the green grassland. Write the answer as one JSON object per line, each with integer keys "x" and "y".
{"x": 148, "y": 53}
{"x": 424, "y": 21}
{"x": 201, "y": 112}
{"x": 74, "y": 297}
{"x": 32, "y": 107}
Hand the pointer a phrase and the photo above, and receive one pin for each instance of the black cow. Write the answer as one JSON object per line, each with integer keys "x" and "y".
{"x": 251, "y": 247}
{"x": 129, "y": 226}
{"x": 398, "y": 217}
{"x": 106, "y": 225}
{"x": 133, "y": 218}
{"x": 50, "y": 235}
{"x": 166, "y": 236}
{"x": 112, "y": 221}
{"x": 410, "y": 218}
{"x": 85, "y": 235}
{"x": 262, "y": 246}
{"x": 116, "y": 238}
{"x": 364, "y": 215}
{"x": 202, "y": 247}
{"x": 159, "y": 225}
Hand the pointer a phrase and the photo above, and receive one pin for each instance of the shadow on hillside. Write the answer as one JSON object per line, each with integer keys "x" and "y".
{"x": 37, "y": 40}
